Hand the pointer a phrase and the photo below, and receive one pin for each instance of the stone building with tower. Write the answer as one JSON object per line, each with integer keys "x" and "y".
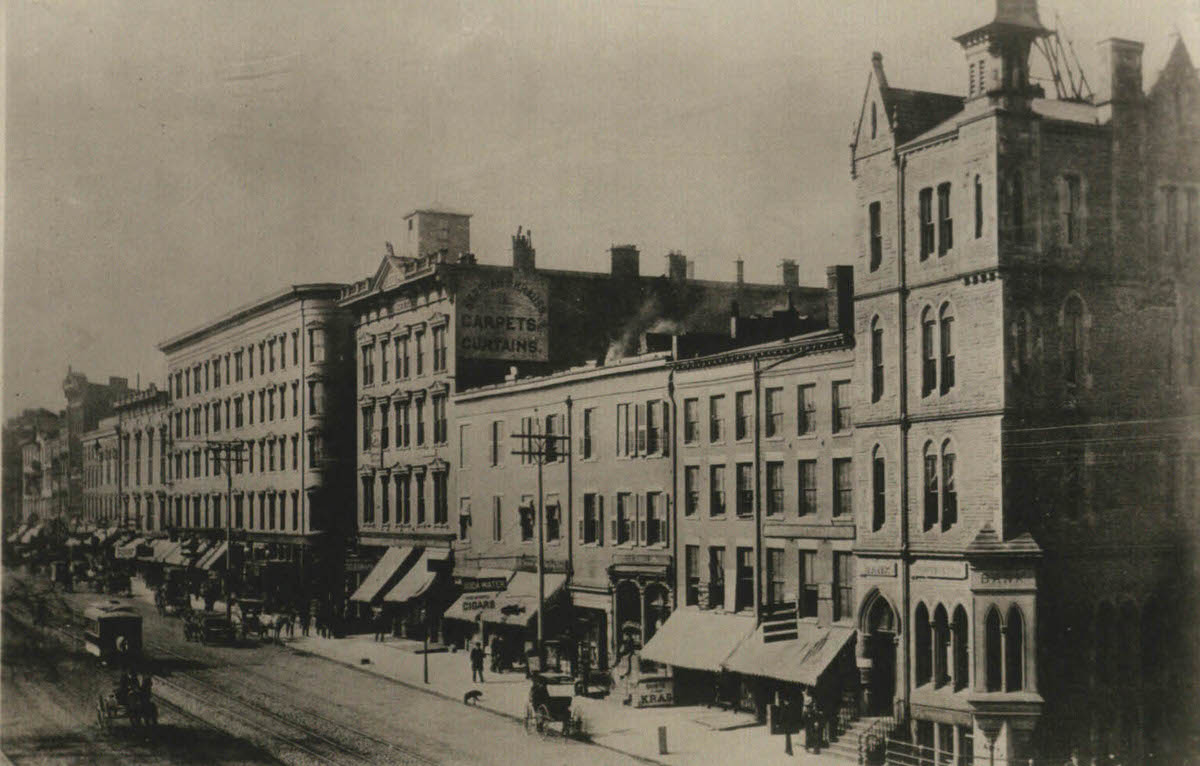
{"x": 1024, "y": 471}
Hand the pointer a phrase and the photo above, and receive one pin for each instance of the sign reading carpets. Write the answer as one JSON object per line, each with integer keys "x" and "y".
{"x": 504, "y": 316}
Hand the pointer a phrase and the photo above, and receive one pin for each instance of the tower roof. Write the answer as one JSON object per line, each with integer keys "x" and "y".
{"x": 1013, "y": 16}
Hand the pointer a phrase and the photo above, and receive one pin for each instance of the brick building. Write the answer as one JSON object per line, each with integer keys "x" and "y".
{"x": 432, "y": 322}
{"x": 1018, "y": 424}
{"x": 272, "y": 377}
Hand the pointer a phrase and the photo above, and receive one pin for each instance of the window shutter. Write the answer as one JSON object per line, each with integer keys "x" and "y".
{"x": 640, "y": 526}
{"x": 640, "y": 422}
{"x": 613, "y": 530}
{"x": 622, "y": 415}
{"x": 664, "y": 522}
{"x": 665, "y": 440}
{"x": 600, "y": 520}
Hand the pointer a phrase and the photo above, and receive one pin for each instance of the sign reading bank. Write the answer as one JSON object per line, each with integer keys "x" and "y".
{"x": 504, "y": 316}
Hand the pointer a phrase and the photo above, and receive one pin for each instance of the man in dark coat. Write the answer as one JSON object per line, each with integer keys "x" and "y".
{"x": 477, "y": 661}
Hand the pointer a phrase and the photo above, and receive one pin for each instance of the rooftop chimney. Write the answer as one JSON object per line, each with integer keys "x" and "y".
{"x": 741, "y": 271}
{"x": 839, "y": 299}
{"x": 677, "y": 266}
{"x": 789, "y": 272}
{"x": 625, "y": 261}
{"x": 524, "y": 256}
{"x": 1120, "y": 71}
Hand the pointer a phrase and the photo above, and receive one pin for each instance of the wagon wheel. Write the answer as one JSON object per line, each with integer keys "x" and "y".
{"x": 543, "y": 720}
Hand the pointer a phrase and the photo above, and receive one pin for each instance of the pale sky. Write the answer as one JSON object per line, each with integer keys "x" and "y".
{"x": 168, "y": 161}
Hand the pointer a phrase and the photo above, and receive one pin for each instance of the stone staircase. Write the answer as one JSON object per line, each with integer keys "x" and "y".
{"x": 846, "y": 746}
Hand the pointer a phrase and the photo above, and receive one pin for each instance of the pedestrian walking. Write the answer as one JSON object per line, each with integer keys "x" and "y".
{"x": 495, "y": 646}
{"x": 305, "y": 617}
{"x": 290, "y": 625}
{"x": 380, "y": 625}
{"x": 477, "y": 661}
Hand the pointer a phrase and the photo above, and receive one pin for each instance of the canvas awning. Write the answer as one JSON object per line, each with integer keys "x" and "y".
{"x": 130, "y": 549}
{"x": 418, "y": 578}
{"x": 31, "y": 534}
{"x": 176, "y": 557}
{"x": 163, "y": 549}
{"x": 799, "y": 660}
{"x": 213, "y": 557}
{"x": 475, "y": 600}
{"x": 698, "y": 640}
{"x": 17, "y": 535}
{"x": 382, "y": 574}
{"x": 518, "y": 603}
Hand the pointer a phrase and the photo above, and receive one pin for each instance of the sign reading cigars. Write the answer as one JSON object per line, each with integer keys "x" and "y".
{"x": 504, "y": 316}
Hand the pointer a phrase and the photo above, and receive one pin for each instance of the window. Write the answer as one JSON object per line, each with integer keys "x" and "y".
{"x": 419, "y": 341}
{"x": 383, "y": 361}
{"x": 978, "y": 208}
{"x": 716, "y": 490}
{"x": 774, "y": 488}
{"x": 1073, "y": 340}
{"x": 742, "y": 415}
{"x": 402, "y": 428}
{"x": 691, "y": 490}
{"x": 691, "y": 421}
{"x": 878, "y": 491}
{"x": 775, "y": 576}
{"x": 368, "y": 499}
{"x": 295, "y": 398}
{"x": 932, "y": 485}
{"x": 843, "y": 487}
{"x": 441, "y": 502}
{"x": 368, "y": 365}
{"x": 592, "y": 526}
{"x": 745, "y": 489}
{"x": 945, "y": 222}
{"x": 843, "y": 585}
{"x": 385, "y": 511}
{"x": 316, "y": 345}
{"x": 440, "y": 425}
{"x": 420, "y": 407}
{"x": 271, "y": 355}
{"x": 744, "y": 593}
{"x": 925, "y": 203}
{"x": 960, "y": 649}
{"x": 947, "y": 347}
{"x": 876, "y": 360}
{"x": 262, "y": 358}
{"x": 656, "y": 417}
{"x": 624, "y": 520}
{"x": 691, "y": 565}
{"x": 923, "y": 639}
{"x": 439, "y": 348}
{"x": 994, "y": 651}
{"x": 656, "y": 520}
{"x": 808, "y": 592}
{"x": 553, "y": 518}
{"x": 295, "y": 452}
{"x": 774, "y": 407}
{"x": 716, "y": 577}
{"x": 842, "y": 419}
{"x": 716, "y": 418}
{"x": 928, "y": 355}
{"x": 420, "y": 490}
{"x": 806, "y": 486}
{"x": 402, "y": 364}
{"x": 586, "y": 445}
{"x": 1070, "y": 201}
{"x": 625, "y": 436}
{"x": 497, "y": 441}
{"x": 873, "y": 212}
{"x": 368, "y": 415}
{"x": 806, "y": 409}
{"x": 464, "y": 519}
{"x": 497, "y": 520}
{"x": 949, "y": 493}
{"x": 404, "y": 499}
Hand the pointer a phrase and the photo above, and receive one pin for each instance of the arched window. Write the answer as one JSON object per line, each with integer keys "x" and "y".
{"x": 878, "y": 491}
{"x": 924, "y": 645}
{"x": 946, "y": 342}
{"x": 932, "y": 496}
{"x": 992, "y": 641}
{"x": 1073, "y": 340}
{"x": 876, "y": 359}
{"x": 949, "y": 493}
{"x": 941, "y": 647}
{"x": 1014, "y": 650}
{"x": 961, "y": 637}
{"x": 928, "y": 352}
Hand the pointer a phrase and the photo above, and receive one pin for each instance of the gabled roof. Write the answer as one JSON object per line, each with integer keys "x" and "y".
{"x": 1177, "y": 60}
{"x": 907, "y": 113}
{"x": 988, "y": 543}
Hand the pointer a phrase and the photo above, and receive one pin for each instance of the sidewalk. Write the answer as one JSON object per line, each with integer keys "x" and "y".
{"x": 695, "y": 734}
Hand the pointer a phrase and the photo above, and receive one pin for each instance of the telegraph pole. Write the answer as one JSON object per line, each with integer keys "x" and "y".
{"x": 540, "y": 446}
{"x": 226, "y": 450}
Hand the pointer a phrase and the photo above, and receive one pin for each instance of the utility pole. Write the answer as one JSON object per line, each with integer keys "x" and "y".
{"x": 540, "y": 446}
{"x": 226, "y": 450}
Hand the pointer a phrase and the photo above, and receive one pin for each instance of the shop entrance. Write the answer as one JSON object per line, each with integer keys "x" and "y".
{"x": 880, "y": 648}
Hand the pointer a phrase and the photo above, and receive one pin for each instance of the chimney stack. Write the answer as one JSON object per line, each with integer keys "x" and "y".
{"x": 1120, "y": 79}
{"x": 524, "y": 256}
{"x": 677, "y": 266}
{"x": 741, "y": 271}
{"x": 839, "y": 298}
{"x": 625, "y": 261}
{"x": 789, "y": 272}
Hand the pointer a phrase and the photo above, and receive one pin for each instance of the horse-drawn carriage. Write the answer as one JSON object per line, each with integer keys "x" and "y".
{"x": 132, "y": 702}
{"x": 205, "y": 626}
{"x": 547, "y": 709}
{"x": 172, "y": 595}
{"x": 251, "y": 621}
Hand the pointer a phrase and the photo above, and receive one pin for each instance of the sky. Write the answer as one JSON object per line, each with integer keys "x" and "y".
{"x": 167, "y": 161}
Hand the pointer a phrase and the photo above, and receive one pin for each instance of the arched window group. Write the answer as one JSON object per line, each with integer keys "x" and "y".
{"x": 942, "y": 650}
{"x": 941, "y": 493}
{"x": 1004, "y": 650}
{"x": 937, "y": 350}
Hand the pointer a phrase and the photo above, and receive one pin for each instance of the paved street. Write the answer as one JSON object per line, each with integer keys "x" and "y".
{"x": 246, "y": 704}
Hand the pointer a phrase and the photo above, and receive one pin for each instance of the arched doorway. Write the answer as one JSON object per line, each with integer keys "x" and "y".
{"x": 879, "y": 627}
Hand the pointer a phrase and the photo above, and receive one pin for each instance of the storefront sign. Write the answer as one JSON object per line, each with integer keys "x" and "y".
{"x": 478, "y": 603}
{"x": 940, "y": 570}
{"x": 1005, "y": 579}
{"x": 504, "y": 317}
{"x": 655, "y": 692}
{"x": 882, "y": 569}
{"x": 476, "y": 585}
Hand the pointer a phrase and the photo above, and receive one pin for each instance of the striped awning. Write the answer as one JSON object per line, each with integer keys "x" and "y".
{"x": 383, "y": 574}
{"x": 419, "y": 577}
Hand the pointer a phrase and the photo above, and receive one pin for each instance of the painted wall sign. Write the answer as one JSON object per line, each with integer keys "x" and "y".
{"x": 940, "y": 570}
{"x": 478, "y": 584}
{"x": 879, "y": 569}
{"x": 504, "y": 317}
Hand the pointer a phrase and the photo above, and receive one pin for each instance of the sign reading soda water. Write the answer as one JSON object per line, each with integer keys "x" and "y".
{"x": 503, "y": 316}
